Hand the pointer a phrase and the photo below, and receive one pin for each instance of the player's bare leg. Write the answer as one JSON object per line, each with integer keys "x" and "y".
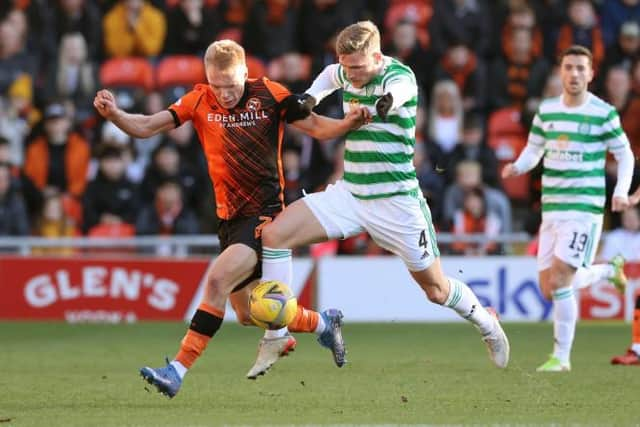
{"x": 233, "y": 265}
{"x": 555, "y": 284}
{"x": 458, "y": 296}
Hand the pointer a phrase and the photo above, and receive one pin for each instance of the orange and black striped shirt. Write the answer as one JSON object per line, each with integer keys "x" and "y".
{"x": 242, "y": 145}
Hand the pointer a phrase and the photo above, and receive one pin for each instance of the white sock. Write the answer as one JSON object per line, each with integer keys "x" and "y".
{"x": 321, "y": 325}
{"x": 565, "y": 315}
{"x": 276, "y": 333}
{"x": 462, "y": 299}
{"x": 180, "y": 368}
{"x": 276, "y": 265}
{"x": 636, "y": 348}
{"x": 587, "y": 276}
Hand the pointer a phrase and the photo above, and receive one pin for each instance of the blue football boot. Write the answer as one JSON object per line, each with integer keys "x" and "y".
{"x": 166, "y": 379}
{"x": 331, "y": 338}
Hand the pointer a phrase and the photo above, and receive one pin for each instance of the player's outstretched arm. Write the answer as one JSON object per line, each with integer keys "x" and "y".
{"x": 321, "y": 127}
{"x": 136, "y": 125}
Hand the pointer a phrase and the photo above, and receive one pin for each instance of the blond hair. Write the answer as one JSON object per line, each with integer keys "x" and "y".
{"x": 362, "y": 37}
{"x": 224, "y": 54}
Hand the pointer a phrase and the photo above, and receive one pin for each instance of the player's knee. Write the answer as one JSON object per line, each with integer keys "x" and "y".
{"x": 272, "y": 236}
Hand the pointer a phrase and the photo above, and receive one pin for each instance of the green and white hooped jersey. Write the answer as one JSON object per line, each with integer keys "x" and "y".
{"x": 575, "y": 142}
{"x": 378, "y": 157}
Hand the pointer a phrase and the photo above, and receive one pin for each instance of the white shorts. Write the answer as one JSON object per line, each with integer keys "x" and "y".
{"x": 399, "y": 224}
{"x": 574, "y": 242}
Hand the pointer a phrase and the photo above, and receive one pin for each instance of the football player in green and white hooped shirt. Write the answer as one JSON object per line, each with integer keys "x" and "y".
{"x": 379, "y": 192}
{"x": 573, "y": 133}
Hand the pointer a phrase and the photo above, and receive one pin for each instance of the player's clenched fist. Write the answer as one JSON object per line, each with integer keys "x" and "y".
{"x": 105, "y": 103}
{"x": 358, "y": 117}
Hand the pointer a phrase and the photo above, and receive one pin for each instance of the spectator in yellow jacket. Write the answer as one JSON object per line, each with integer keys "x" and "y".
{"x": 134, "y": 28}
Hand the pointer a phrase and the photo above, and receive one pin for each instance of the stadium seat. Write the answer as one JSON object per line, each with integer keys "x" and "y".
{"x": 180, "y": 70}
{"x": 507, "y": 137}
{"x": 506, "y": 121}
{"x": 127, "y": 72}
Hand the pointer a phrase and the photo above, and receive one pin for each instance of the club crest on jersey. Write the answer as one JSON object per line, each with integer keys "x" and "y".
{"x": 584, "y": 128}
{"x": 253, "y": 104}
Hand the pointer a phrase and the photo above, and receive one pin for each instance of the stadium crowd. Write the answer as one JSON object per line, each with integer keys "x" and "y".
{"x": 482, "y": 66}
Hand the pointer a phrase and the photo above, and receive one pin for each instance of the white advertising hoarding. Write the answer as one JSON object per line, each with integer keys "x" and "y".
{"x": 380, "y": 288}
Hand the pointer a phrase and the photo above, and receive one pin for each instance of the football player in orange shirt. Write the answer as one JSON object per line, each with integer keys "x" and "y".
{"x": 240, "y": 123}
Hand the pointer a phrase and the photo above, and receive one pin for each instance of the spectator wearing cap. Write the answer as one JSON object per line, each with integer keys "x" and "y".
{"x": 134, "y": 28}
{"x": 110, "y": 198}
{"x": 472, "y": 146}
{"x": 614, "y": 14}
{"x": 13, "y": 214}
{"x": 624, "y": 52}
{"x": 60, "y": 157}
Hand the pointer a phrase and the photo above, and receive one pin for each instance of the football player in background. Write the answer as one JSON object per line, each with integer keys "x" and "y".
{"x": 573, "y": 133}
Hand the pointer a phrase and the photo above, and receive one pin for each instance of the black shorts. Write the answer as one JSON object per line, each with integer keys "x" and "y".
{"x": 247, "y": 231}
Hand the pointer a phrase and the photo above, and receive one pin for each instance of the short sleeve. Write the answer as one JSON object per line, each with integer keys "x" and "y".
{"x": 184, "y": 108}
{"x": 278, "y": 91}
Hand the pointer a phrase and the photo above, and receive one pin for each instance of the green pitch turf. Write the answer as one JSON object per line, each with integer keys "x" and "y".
{"x": 87, "y": 375}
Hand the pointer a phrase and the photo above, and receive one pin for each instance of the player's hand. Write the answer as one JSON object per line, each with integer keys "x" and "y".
{"x": 106, "y": 104}
{"x": 358, "y": 117}
{"x": 634, "y": 198}
{"x": 509, "y": 170}
{"x": 299, "y": 107}
{"x": 383, "y": 105}
{"x": 619, "y": 203}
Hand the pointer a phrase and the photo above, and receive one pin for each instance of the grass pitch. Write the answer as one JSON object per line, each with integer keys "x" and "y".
{"x": 86, "y": 375}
